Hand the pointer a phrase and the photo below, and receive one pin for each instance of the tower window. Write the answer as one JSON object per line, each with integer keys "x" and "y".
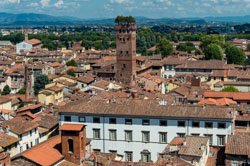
{"x": 126, "y": 52}
{"x": 124, "y": 39}
{"x": 120, "y": 52}
{"x": 71, "y": 145}
{"x": 127, "y": 39}
{"x": 124, "y": 65}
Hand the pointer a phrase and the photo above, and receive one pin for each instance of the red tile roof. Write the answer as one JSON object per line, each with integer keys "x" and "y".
{"x": 238, "y": 145}
{"x": 232, "y": 95}
{"x": 34, "y": 41}
{"x": 71, "y": 127}
{"x": 45, "y": 153}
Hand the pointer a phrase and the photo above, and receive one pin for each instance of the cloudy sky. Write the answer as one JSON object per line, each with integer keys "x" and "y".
{"x": 111, "y": 8}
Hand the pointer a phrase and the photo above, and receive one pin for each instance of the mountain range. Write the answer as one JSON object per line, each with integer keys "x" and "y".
{"x": 9, "y": 19}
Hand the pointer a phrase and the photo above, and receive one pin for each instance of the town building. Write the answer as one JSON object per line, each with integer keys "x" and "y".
{"x": 140, "y": 129}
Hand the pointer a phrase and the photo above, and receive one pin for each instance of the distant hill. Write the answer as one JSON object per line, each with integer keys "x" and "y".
{"x": 32, "y": 18}
{"x": 9, "y": 19}
{"x": 236, "y": 19}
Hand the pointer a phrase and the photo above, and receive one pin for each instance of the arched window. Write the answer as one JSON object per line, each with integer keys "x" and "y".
{"x": 71, "y": 145}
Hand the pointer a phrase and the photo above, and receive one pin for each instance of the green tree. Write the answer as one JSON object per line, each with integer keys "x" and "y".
{"x": 22, "y": 91}
{"x": 71, "y": 72}
{"x": 234, "y": 55}
{"x": 230, "y": 89}
{"x": 165, "y": 47}
{"x": 71, "y": 63}
{"x": 248, "y": 47}
{"x": 212, "y": 39}
{"x": 40, "y": 83}
{"x": 6, "y": 90}
{"x": 213, "y": 51}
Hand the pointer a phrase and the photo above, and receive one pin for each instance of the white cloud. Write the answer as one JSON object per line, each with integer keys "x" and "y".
{"x": 59, "y": 4}
{"x": 45, "y": 3}
{"x": 120, "y": 1}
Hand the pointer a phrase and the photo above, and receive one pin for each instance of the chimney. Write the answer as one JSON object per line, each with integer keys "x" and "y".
{"x": 26, "y": 38}
{"x": 26, "y": 81}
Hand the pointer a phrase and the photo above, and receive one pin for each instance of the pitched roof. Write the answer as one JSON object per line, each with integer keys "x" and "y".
{"x": 34, "y": 41}
{"x": 71, "y": 127}
{"x": 232, "y": 95}
{"x": 45, "y": 153}
{"x": 238, "y": 145}
{"x": 7, "y": 140}
{"x": 202, "y": 64}
{"x": 19, "y": 125}
{"x": 142, "y": 107}
{"x": 4, "y": 100}
{"x": 193, "y": 146}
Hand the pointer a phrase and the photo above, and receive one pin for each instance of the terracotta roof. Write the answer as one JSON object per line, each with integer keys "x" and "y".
{"x": 7, "y": 140}
{"x": 219, "y": 73}
{"x": 145, "y": 108}
{"x": 238, "y": 145}
{"x": 30, "y": 107}
{"x": 193, "y": 146}
{"x": 221, "y": 101}
{"x": 46, "y": 121}
{"x": 4, "y": 100}
{"x": 232, "y": 95}
{"x": 85, "y": 79}
{"x": 101, "y": 84}
{"x": 34, "y": 41}
{"x": 71, "y": 127}
{"x": 202, "y": 64}
{"x": 177, "y": 141}
{"x": 45, "y": 153}
{"x": 19, "y": 125}
{"x": 55, "y": 88}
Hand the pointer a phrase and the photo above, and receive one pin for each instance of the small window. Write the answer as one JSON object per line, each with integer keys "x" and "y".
{"x": 221, "y": 125}
{"x": 112, "y": 135}
{"x": 124, "y": 65}
{"x": 96, "y": 134}
{"x": 70, "y": 145}
{"x": 221, "y": 140}
{"x": 128, "y": 156}
{"x": 128, "y": 135}
{"x": 196, "y": 124}
{"x": 145, "y": 136}
{"x": 181, "y": 135}
{"x": 112, "y": 120}
{"x": 195, "y": 134}
{"x": 30, "y": 132}
{"x": 97, "y": 150}
{"x": 96, "y": 120}
{"x": 128, "y": 121}
{"x": 145, "y": 156}
{"x": 210, "y": 137}
{"x": 113, "y": 151}
{"x": 181, "y": 123}
{"x": 208, "y": 125}
{"x": 163, "y": 123}
{"x": 67, "y": 118}
{"x": 145, "y": 122}
{"x": 81, "y": 119}
{"x": 163, "y": 137}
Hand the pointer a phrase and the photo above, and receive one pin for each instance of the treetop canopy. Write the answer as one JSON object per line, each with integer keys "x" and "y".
{"x": 125, "y": 20}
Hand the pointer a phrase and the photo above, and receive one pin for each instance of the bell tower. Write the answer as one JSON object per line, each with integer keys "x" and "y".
{"x": 126, "y": 49}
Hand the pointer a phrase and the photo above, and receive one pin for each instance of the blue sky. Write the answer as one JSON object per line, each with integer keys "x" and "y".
{"x": 111, "y": 8}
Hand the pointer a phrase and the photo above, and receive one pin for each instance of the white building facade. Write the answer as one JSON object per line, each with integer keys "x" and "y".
{"x": 142, "y": 138}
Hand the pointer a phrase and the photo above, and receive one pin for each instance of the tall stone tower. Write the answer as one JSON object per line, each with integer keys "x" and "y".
{"x": 126, "y": 50}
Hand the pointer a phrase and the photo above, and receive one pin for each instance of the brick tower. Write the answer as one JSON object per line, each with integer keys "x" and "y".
{"x": 73, "y": 142}
{"x": 125, "y": 50}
